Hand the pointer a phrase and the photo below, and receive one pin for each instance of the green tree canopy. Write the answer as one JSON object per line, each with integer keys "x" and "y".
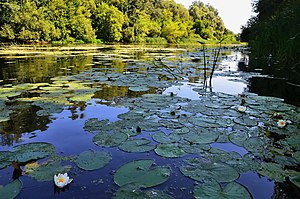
{"x": 108, "y": 20}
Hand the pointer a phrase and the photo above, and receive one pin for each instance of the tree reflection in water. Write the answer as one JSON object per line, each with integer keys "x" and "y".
{"x": 22, "y": 120}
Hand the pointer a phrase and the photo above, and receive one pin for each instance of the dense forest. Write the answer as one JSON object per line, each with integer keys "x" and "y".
{"x": 274, "y": 37}
{"x": 155, "y": 21}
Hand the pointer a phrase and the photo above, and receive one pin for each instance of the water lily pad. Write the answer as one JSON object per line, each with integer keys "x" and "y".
{"x": 245, "y": 121}
{"x": 48, "y": 108}
{"x": 46, "y": 171}
{"x": 163, "y": 138}
{"x": 202, "y": 169}
{"x": 181, "y": 131}
{"x": 11, "y": 190}
{"x": 216, "y": 105}
{"x": 193, "y": 148}
{"x": 137, "y": 145}
{"x": 109, "y": 140}
{"x": 9, "y": 92}
{"x": 257, "y": 146}
{"x": 134, "y": 191}
{"x": 296, "y": 156}
{"x": 141, "y": 173}
{"x": 32, "y": 151}
{"x": 238, "y": 137}
{"x": 211, "y": 189}
{"x": 4, "y": 114}
{"x": 93, "y": 124}
{"x": 169, "y": 150}
{"x": 83, "y": 95}
{"x": 131, "y": 115}
{"x": 138, "y": 88}
{"x": 295, "y": 178}
{"x": 293, "y": 141}
{"x": 202, "y": 136}
{"x": 4, "y": 164}
{"x": 205, "y": 122}
{"x": 92, "y": 160}
{"x": 273, "y": 171}
{"x": 6, "y": 157}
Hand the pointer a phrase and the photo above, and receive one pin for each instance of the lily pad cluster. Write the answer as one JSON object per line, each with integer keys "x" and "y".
{"x": 41, "y": 162}
{"x": 164, "y": 125}
{"x": 199, "y": 123}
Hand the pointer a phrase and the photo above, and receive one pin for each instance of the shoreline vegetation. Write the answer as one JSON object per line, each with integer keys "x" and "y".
{"x": 274, "y": 38}
{"x": 61, "y": 22}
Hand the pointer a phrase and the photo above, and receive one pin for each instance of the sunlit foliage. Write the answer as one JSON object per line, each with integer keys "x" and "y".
{"x": 108, "y": 21}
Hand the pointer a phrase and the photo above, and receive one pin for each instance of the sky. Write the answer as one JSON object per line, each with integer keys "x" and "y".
{"x": 234, "y": 13}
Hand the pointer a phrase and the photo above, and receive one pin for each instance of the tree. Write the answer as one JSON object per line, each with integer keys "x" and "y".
{"x": 108, "y": 22}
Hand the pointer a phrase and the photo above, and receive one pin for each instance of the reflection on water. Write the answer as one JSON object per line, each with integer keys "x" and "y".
{"x": 23, "y": 119}
{"x": 276, "y": 87}
{"x": 41, "y": 69}
{"x": 25, "y": 126}
{"x": 258, "y": 185}
{"x": 225, "y": 85}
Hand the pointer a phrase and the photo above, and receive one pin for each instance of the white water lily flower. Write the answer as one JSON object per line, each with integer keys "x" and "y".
{"x": 281, "y": 123}
{"x": 242, "y": 109}
{"x": 62, "y": 180}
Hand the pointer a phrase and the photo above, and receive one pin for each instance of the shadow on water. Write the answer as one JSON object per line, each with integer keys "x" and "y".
{"x": 276, "y": 87}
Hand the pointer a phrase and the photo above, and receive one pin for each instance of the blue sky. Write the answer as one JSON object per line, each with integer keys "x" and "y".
{"x": 234, "y": 13}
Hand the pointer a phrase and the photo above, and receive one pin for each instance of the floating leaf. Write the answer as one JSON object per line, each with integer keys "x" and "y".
{"x": 32, "y": 151}
{"x": 92, "y": 160}
{"x": 193, "y": 148}
{"x": 216, "y": 105}
{"x": 295, "y": 178}
{"x": 169, "y": 150}
{"x": 109, "y": 140}
{"x": 273, "y": 171}
{"x": 136, "y": 145}
{"x": 296, "y": 156}
{"x": 6, "y": 157}
{"x": 134, "y": 191}
{"x": 201, "y": 169}
{"x": 11, "y": 190}
{"x": 48, "y": 108}
{"x": 141, "y": 173}
{"x": 238, "y": 137}
{"x": 181, "y": 131}
{"x": 245, "y": 121}
{"x": 5, "y": 114}
{"x": 205, "y": 122}
{"x": 45, "y": 172}
{"x": 211, "y": 189}
{"x": 138, "y": 88}
{"x": 31, "y": 166}
{"x": 131, "y": 115}
{"x": 202, "y": 136}
{"x": 163, "y": 138}
{"x": 93, "y": 124}
{"x": 83, "y": 95}
{"x": 294, "y": 141}
{"x": 254, "y": 144}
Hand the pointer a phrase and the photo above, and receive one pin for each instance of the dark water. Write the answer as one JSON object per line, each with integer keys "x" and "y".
{"x": 65, "y": 130}
{"x": 276, "y": 87}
